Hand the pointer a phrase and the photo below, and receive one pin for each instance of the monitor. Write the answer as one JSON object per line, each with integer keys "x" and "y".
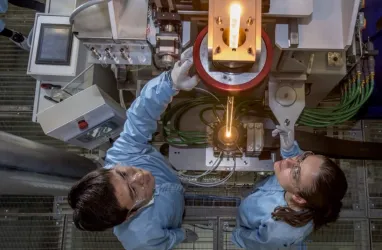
{"x": 54, "y": 44}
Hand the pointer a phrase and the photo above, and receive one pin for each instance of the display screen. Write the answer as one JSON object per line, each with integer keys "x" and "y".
{"x": 55, "y": 44}
{"x": 103, "y": 130}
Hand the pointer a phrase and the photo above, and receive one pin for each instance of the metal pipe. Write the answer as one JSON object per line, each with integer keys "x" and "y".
{"x": 193, "y": 12}
{"x": 83, "y": 7}
{"x": 75, "y": 78}
{"x": 20, "y": 154}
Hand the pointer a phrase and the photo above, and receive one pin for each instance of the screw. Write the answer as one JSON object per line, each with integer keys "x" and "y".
{"x": 210, "y": 162}
{"x": 221, "y": 29}
{"x": 245, "y": 162}
{"x": 257, "y": 147}
{"x": 250, "y": 126}
{"x": 287, "y": 122}
{"x": 250, "y": 51}
{"x": 246, "y": 30}
{"x": 219, "y": 20}
{"x": 218, "y": 50}
{"x": 258, "y": 126}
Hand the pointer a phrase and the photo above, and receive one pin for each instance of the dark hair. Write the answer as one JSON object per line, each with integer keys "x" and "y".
{"x": 323, "y": 199}
{"x": 95, "y": 205}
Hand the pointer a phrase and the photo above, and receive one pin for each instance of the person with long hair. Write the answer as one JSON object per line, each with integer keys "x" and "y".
{"x": 303, "y": 195}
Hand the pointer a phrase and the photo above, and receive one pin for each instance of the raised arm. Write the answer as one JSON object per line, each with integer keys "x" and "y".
{"x": 288, "y": 146}
{"x": 145, "y": 111}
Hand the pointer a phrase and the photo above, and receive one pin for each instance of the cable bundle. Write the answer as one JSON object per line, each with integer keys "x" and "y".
{"x": 354, "y": 94}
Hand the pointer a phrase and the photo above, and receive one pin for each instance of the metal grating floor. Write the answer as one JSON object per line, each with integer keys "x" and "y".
{"x": 16, "y": 88}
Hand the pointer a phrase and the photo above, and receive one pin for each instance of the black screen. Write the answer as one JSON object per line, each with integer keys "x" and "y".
{"x": 55, "y": 44}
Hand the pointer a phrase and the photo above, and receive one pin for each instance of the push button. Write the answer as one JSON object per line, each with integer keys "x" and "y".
{"x": 83, "y": 124}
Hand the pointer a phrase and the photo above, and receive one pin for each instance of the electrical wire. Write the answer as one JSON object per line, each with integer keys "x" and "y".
{"x": 122, "y": 99}
{"x": 214, "y": 166}
{"x": 355, "y": 92}
{"x": 212, "y": 184}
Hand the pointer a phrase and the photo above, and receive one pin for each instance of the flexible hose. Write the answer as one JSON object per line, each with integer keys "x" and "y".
{"x": 83, "y": 7}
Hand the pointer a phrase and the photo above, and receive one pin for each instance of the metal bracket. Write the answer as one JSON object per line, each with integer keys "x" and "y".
{"x": 286, "y": 100}
{"x": 293, "y": 35}
{"x": 255, "y": 139}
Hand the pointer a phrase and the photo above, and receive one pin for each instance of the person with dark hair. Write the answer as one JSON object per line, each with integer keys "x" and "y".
{"x": 15, "y": 36}
{"x": 136, "y": 192}
{"x": 304, "y": 194}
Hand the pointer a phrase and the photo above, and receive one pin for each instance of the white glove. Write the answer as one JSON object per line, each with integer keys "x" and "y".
{"x": 179, "y": 74}
{"x": 191, "y": 236}
{"x": 286, "y": 137}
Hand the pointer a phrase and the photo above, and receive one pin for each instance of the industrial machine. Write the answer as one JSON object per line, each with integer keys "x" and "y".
{"x": 261, "y": 62}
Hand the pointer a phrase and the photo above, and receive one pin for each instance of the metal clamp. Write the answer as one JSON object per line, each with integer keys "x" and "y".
{"x": 255, "y": 139}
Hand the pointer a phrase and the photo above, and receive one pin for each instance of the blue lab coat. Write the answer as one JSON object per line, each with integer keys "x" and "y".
{"x": 3, "y": 9}
{"x": 158, "y": 226}
{"x": 256, "y": 229}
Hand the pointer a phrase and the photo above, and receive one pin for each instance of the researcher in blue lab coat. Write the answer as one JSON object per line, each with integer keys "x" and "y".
{"x": 304, "y": 194}
{"x": 136, "y": 192}
{"x": 14, "y": 36}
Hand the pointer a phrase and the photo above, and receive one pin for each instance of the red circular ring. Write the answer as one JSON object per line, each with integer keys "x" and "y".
{"x": 232, "y": 88}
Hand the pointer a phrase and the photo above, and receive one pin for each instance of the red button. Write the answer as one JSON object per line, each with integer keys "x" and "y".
{"x": 83, "y": 124}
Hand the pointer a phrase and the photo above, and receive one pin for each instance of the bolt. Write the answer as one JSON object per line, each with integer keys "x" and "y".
{"x": 218, "y": 50}
{"x": 287, "y": 122}
{"x": 250, "y": 21}
{"x": 219, "y": 20}
{"x": 273, "y": 156}
{"x": 250, "y": 51}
